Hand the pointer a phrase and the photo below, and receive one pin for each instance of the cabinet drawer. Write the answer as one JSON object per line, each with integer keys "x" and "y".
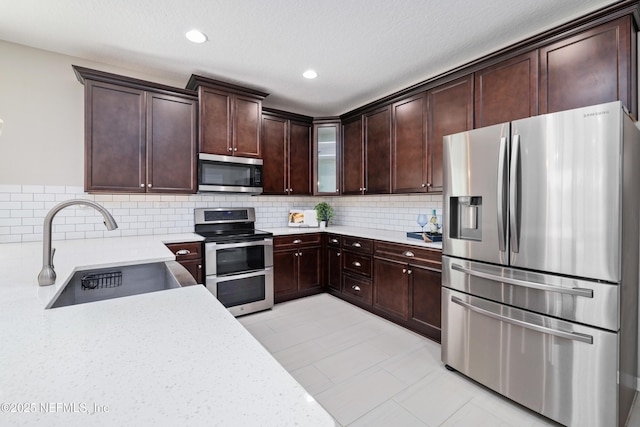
{"x": 333, "y": 240}
{"x": 297, "y": 240}
{"x": 357, "y": 288}
{"x": 185, "y": 251}
{"x": 411, "y": 254}
{"x": 357, "y": 263}
{"x": 357, "y": 244}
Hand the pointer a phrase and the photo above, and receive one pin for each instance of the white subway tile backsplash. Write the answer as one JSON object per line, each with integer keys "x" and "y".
{"x": 23, "y": 208}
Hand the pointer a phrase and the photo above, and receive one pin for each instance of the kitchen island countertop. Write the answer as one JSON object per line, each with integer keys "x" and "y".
{"x": 175, "y": 357}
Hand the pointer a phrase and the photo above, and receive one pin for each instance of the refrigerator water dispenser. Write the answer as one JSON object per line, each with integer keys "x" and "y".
{"x": 466, "y": 218}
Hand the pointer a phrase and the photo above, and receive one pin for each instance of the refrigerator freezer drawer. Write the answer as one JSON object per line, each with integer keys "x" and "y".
{"x": 583, "y": 301}
{"x": 564, "y": 371}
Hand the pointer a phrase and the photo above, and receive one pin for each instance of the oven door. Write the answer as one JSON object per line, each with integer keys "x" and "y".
{"x": 239, "y": 257}
{"x": 244, "y": 293}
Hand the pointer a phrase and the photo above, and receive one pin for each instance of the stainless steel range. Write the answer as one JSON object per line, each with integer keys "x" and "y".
{"x": 238, "y": 258}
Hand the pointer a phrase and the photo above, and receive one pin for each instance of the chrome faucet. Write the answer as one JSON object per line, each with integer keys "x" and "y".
{"x": 47, "y": 275}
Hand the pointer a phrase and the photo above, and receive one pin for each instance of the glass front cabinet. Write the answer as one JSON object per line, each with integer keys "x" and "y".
{"x": 326, "y": 162}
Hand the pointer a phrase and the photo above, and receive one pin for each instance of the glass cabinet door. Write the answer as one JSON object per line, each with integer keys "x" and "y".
{"x": 325, "y": 136}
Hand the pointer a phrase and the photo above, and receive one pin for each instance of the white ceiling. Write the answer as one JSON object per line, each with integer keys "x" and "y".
{"x": 362, "y": 49}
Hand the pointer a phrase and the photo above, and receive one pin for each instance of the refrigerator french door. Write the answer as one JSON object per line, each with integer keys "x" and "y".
{"x": 540, "y": 266}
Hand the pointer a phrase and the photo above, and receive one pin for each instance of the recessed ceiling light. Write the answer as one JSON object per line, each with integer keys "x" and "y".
{"x": 196, "y": 36}
{"x": 310, "y": 74}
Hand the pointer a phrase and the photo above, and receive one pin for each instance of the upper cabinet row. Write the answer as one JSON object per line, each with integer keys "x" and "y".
{"x": 395, "y": 146}
{"x": 144, "y": 137}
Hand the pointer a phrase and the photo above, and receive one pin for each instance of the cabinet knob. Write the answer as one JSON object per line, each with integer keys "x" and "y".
{"x": 404, "y": 270}
{"x": 424, "y": 185}
{"x": 356, "y": 245}
{"x": 297, "y": 241}
{"x": 199, "y": 266}
{"x": 149, "y": 185}
{"x": 408, "y": 253}
{"x": 235, "y": 149}
{"x": 409, "y": 271}
{"x": 337, "y": 190}
{"x": 300, "y": 253}
{"x": 428, "y": 184}
{"x": 338, "y": 254}
{"x": 183, "y": 252}
{"x": 229, "y": 149}
{"x": 296, "y": 254}
{"x": 356, "y": 264}
{"x": 355, "y": 288}
{"x": 142, "y": 185}
{"x": 360, "y": 188}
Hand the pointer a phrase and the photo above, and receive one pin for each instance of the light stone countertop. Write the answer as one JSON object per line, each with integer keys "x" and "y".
{"x": 175, "y": 357}
{"x": 365, "y": 233}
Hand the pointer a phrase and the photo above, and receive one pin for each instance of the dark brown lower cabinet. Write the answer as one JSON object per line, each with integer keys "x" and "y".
{"x": 189, "y": 255}
{"x": 391, "y": 287}
{"x": 297, "y": 266}
{"x": 424, "y": 301}
{"x": 334, "y": 268}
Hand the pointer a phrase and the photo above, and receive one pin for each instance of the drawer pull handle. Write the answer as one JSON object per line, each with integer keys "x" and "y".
{"x": 408, "y": 253}
{"x": 183, "y": 252}
{"x": 357, "y": 264}
{"x": 334, "y": 240}
{"x": 356, "y": 245}
{"x": 355, "y": 288}
{"x": 297, "y": 241}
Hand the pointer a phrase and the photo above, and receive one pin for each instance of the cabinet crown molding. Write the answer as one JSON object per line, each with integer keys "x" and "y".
{"x": 195, "y": 81}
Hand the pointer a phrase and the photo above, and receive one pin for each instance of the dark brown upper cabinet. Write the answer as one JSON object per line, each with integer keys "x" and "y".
{"x": 449, "y": 110}
{"x": 230, "y": 117}
{"x": 377, "y": 133}
{"x": 352, "y": 156}
{"x": 507, "y": 90}
{"x": 409, "y": 156}
{"x": 589, "y": 68}
{"x": 139, "y": 136}
{"x": 286, "y": 146}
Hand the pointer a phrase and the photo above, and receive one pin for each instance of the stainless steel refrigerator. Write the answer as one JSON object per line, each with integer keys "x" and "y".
{"x": 540, "y": 265}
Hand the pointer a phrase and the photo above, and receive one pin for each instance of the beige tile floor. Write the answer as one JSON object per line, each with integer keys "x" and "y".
{"x": 367, "y": 371}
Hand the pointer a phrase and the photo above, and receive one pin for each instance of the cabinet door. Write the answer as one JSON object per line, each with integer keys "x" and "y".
{"x": 274, "y": 160}
{"x": 391, "y": 287}
{"x": 449, "y": 110}
{"x": 309, "y": 264}
{"x": 246, "y": 126}
{"x": 507, "y": 91}
{"x": 195, "y": 268}
{"x": 352, "y": 157}
{"x": 215, "y": 121}
{"x": 299, "y": 159}
{"x": 378, "y": 151}
{"x": 334, "y": 268}
{"x": 425, "y": 301}
{"x": 114, "y": 138}
{"x": 410, "y": 145}
{"x": 589, "y": 68}
{"x": 171, "y": 144}
{"x": 285, "y": 266}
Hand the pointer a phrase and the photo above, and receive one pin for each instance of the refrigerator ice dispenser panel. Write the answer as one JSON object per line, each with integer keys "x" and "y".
{"x": 466, "y": 218}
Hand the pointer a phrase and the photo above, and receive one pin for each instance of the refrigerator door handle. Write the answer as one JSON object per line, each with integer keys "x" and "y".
{"x": 502, "y": 183}
{"x": 575, "y": 336}
{"x": 579, "y": 292}
{"x": 514, "y": 215}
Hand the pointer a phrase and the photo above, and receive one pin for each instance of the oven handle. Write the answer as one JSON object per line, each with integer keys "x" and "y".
{"x": 579, "y": 292}
{"x": 217, "y": 246}
{"x": 575, "y": 336}
{"x": 219, "y": 279}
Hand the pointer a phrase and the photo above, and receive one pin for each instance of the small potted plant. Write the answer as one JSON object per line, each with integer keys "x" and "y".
{"x": 324, "y": 213}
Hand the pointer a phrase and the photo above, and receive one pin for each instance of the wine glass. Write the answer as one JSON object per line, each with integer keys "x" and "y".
{"x": 422, "y": 221}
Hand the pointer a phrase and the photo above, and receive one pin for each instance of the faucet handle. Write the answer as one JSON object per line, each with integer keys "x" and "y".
{"x": 53, "y": 252}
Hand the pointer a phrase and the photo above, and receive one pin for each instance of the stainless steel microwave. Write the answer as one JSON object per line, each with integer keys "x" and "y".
{"x": 229, "y": 174}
